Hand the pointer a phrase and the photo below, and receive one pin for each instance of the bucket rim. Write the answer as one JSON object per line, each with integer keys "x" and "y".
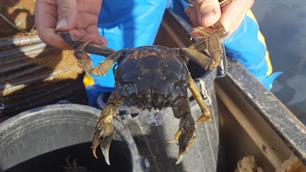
{"x": 123, "y": 131}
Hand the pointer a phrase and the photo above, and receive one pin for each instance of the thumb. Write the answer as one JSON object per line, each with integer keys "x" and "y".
{"x": 209, "y": 12}
{"x": 67, "y": 14}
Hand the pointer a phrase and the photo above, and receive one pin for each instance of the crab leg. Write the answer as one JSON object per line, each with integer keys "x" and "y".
{"x": 211, "y": 39}
{"x": 196, "y": 94}
{"x": 214, "y": 43}
{"x": 106, "y": 65}
{"x": 90, "y": 47}
{"x": 104, "y": 130}
{"x": 83, "y": 58}
{"x": 200, "y": 58}
{"x": 186, "y": 134}
{"x": 86, "y": 64}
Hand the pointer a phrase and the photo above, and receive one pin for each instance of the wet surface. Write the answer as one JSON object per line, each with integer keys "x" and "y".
{"x": 284, "y": 25}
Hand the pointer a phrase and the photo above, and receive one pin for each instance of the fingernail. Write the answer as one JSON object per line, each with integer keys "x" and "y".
{"x": 62, "y": 24}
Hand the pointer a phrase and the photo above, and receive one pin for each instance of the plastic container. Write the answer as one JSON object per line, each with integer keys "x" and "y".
{"x": 57, "y": 138}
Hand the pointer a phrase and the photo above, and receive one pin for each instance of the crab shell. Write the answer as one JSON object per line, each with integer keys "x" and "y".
{"x": 152, "y": 77}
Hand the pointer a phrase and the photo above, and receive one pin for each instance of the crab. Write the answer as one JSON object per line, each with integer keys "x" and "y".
{"x": 152, "y": 77}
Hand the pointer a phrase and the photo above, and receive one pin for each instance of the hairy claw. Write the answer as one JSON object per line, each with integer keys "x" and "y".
{"x": 177, "y": 136}
{"x": 95, "y": 144}
{"x": 179, "y": 159}
{"x": 104, "y": 130}
{"x": 186, "y": 140}
{"x": 103, "y": 137}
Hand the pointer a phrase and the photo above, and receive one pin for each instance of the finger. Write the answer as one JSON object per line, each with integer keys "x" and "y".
{"x": 91, "y": 6}
{"x": 45, "y": 21}
{"x": 86, "y": 29}
{"x": 88, "y": 23}
{"x": 90, "y": 34}
{"x": 234, "y": 13}
{"x": 209, "y": 12}
{"x": 67, "y": 14}
{"x": 95, "y": 35}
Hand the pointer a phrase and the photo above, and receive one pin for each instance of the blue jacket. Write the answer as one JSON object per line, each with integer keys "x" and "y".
{"x": 127, "y": 24}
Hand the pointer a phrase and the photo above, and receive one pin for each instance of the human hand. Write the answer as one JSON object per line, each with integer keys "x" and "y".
{"x": 79, "y": 17}
{"x": 207, "y": 12}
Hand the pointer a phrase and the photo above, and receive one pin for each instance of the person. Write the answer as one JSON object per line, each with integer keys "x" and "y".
{"x": 125, "y": 24}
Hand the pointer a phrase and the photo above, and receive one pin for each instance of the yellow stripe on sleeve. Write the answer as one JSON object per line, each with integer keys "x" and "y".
{"x": 88, "y": 80}
{"x": 251, "y": 15}
{"x": 261, "y": 39}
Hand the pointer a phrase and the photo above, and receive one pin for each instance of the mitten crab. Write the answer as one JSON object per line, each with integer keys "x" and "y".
{"x": 152, "y": 77}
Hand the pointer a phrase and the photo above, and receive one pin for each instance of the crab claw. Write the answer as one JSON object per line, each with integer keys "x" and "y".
{"x": 104, "y": 133}
{"x": 179, "y": 159}
{"x": 185, "y": 140}
{"x": 104, "y": 130}
{"x": 103, "y": 137}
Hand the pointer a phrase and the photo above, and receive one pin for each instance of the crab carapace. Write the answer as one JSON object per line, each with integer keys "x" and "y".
{"x": 152, "y": 77}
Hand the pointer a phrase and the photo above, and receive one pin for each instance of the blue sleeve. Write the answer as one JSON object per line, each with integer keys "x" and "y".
{"x": 247, "y": 45}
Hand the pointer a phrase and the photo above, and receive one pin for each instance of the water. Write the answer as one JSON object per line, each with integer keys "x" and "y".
{"x": 283, "y": 23}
